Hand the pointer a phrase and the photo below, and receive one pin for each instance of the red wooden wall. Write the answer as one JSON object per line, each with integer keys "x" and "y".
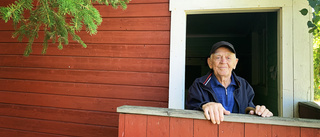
{"x": 132, "y": 125}
{"x": 75, "y": 91}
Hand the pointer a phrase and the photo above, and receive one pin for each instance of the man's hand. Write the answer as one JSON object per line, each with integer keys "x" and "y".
{"x": 214, "y": 112}
{"x": 261, "y": 111}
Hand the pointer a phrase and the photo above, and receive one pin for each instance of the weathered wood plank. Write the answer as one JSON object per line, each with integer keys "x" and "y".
{"x": 310, "y": 132}
{"x": 87, "y": 76}
{"x": 139, "y": 23}
{"x": 158, "y": 126}
{"x": 19, "y": 133}
{"x": 240, "y": 118}
{"x": 86, "y": 90}
{"x": 72, "y": 102}
{"x": 59, "y": 114}
{"x": 114, "y": 37}
{"x": 55, "y": 127}
{"x": 87, "y": 63}
{"x": 93, "y": 50}
{"x": 136, "y": 10}
{"x": 231, "y": 129}
{"x": 121, "y": 125}
{"x": 285, "y": 131}
{"x": 204, "y": 128}
{"x": 6, "y": 2}
{"x": 135, "y": 125}
{"x": 148, "y": 1}
{"x": 148, "y": 23}
{"x": 257, "y": 130}
{"x": 181, "y": 127}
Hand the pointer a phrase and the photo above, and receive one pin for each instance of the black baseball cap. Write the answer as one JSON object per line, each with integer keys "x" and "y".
{"x": 222, "y": 44}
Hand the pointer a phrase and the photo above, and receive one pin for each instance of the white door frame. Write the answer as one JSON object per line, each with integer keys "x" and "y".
{"x": 295, "y": 72}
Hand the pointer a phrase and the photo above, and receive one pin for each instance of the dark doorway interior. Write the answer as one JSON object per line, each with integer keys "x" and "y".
{"x": 254, "y": 36}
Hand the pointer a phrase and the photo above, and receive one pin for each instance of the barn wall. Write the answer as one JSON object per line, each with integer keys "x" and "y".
{"x": 75, "y": 91}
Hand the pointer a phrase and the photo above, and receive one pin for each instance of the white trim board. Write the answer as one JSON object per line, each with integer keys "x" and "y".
{"x": 294, "y": 46}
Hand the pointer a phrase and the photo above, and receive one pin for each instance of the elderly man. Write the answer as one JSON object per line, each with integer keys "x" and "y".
{"x": 221, "y": 91}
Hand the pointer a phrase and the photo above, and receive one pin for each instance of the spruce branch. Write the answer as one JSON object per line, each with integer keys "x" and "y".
{"x": 57, "y": 19}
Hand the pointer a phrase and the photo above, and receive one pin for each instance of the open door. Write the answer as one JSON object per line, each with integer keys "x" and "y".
{"x": 254, "y": 36}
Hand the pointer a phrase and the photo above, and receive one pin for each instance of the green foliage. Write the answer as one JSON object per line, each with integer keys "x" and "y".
{"x": 57, "y": 18}
{"x": 314, "y": 26}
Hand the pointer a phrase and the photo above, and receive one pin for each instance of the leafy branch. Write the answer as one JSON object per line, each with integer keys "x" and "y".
{"x": 57, "y": 18}
{"x": 314, "y": 26}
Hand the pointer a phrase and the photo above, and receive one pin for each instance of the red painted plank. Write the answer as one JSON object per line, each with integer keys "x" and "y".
{"x": 147, "y": 1}
{"x": 58, "y": 114}
{"x": 121, "y": 129}
{"x": 87, "y": 63}
{"x": 87, "y": 90}
{"x": 87, "y": 76}
{"x": 181, "y": 127}
{"x": 93, "y": 50}
{"x": 114, "y": 64}
{"x": 72, "y": 102}
{"x": 310, "y": 132}
{"x": 6, "y": 2}
{"x": 285, "y": 131}
{"x": 257, "y": 130}
{"x": 138, "y": 23}
{"x": 18, "y": 133}
{"x": 204, "y": 128}
{"x": 135, "y": 125}
{"x": 55, "y": 127}
{"x": 114, "y": 37}
{"x": 136, "y": 10}
{"x": 158, "y": 126}
{"x": 231, "y": 129}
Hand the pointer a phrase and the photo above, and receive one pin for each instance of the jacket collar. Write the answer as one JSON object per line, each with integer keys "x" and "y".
{"x": 205, "y": 80}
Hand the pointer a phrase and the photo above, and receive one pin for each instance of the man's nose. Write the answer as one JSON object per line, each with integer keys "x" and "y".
{"x": 223, "y": 60}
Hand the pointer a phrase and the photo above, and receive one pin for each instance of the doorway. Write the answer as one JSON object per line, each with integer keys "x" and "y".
{"x": 254, "y": 36}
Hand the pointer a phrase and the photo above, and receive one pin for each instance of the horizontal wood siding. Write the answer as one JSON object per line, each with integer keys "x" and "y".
{"x": 188, "y": 127}
{"x": 75, "y": 91}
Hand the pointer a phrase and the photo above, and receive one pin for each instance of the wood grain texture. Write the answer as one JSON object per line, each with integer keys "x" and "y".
{"x": 6, "y": 2}
{"x": 121, "y": 125}
{"x": 158, "y": 126}
{"x": 135, "y": 126}
{"x": 136, "y": 10}
{"x": 257, "y": 130}
{"x": 231, "y": 129}
{"x": 19, "y": 133}
{"x": 55, "y": 127}
{"x": 310, "y": 132}
{"x": 204, "y": 128}
{"x": 72, "y": 102}
{"x": 93, "y": 50}
{"x": 111, "y": 37}
{"x": 120, "y": 24}
{"x": 285, "y": 131}
{"x": 87, "y": 63}
{"x": 181, "y": 127}
{"x": 87, "y": 76}
{"x": 59, "y": 114}
{"x": 86, "y": 90}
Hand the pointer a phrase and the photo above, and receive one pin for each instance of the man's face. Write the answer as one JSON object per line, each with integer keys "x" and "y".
{"x": 222, "y": 62}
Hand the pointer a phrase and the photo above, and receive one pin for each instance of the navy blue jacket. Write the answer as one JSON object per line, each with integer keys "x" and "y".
{"x": 201, "y": 93}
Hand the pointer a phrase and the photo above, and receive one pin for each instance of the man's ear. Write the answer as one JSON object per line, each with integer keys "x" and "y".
{"x": 235, "y": 63}
{"x": 209, "y": 62}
